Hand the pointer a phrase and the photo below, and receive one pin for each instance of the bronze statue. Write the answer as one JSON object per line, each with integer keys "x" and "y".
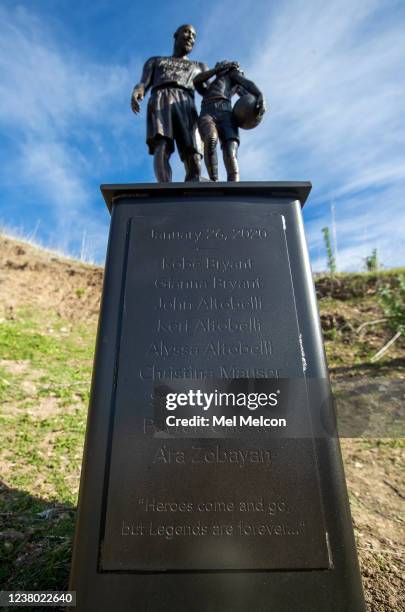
{"x": 171, "y": 115}
{"x": 217, "y": 119}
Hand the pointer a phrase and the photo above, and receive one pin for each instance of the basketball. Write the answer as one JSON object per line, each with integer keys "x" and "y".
{"x": 245, "y": 113}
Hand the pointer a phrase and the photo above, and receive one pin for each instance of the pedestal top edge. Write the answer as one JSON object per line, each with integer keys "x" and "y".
{"x": 297, "y": 189}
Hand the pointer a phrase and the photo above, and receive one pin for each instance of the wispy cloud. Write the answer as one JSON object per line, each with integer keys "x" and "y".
{"x": 334, "y": 76}
{"x": 59, "y": 115}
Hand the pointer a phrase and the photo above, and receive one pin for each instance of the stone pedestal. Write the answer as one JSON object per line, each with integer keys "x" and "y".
{"x": 208, "y": 290}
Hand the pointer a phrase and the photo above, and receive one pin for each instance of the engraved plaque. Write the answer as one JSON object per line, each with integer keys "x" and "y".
{"x": 191, "y": 499}
{"x": 208, "y": 295}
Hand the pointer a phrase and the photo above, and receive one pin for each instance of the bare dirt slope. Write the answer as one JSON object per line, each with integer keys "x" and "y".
{"x": 39, "y": 280}
{"x": 31, "y": 276}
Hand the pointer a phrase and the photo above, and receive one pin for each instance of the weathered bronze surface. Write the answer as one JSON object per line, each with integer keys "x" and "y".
{"x": 216, "y": 119}
{"x": 172, "y": 115}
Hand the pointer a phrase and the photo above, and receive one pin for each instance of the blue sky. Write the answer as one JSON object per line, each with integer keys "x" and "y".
{"x": 333, "y": 75}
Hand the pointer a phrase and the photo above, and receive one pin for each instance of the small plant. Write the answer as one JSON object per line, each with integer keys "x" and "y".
{"x": 392, "y": 300}
{"x": 329, "y": 252}
{"x": 371, "y": 262}
{"x": 393, "y": 303}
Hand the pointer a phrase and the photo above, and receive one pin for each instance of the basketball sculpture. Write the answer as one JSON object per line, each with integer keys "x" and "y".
{"x": 246, "y": 113}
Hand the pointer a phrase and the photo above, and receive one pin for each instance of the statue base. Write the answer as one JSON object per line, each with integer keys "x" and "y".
{"x": 197, "y": 504}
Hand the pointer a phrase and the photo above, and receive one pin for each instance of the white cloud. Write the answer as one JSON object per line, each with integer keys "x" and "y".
{"x": 57, "y": 110}
{"x": 52, "y": 167}
{"x": 45, "y": 89}
{"x": 334, "y": 77}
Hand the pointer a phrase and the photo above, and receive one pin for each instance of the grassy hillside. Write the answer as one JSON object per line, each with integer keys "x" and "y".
{"x": 48, "y": 318}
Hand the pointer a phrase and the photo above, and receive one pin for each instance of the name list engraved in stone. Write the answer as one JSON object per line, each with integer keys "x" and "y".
{"x": 197, "y": 455}
{"x": 227, "y": 284}
{"x": 253, "y": 303}
{"x": 240, "y": 283}
{"x": 234, "y": 371}
{"x": 178, "y": 284}
{"x": 219, "y": 349}
{"x": 209, "y": 351}
{"x": 153, "y": 372}
{"x": 209, "y": 325}
{"x": 206, "y": 263}
{"x": 204, "y": 304}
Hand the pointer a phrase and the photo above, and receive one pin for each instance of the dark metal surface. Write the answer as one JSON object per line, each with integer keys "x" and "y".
{"x": 218, "y": 121}
{"x": 171, "y": 114}
{"x": 293, "y": 190}
{"x": 309, "y": 564}
{"x": 166, "y": 334}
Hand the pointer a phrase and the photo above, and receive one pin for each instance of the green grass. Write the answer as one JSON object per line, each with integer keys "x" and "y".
{"x": 35, "y": 551}
{"x": 50, "y": 447}
{"x": 64, "y": 359}
{"x": 353, "y": 276}
{"x": 45, "y": 361}
{"x": 391, "y": 442}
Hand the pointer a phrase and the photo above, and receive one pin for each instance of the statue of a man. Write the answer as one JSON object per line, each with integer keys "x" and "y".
{"x": 216, "y": 118}
{"x": 172, "y": 116}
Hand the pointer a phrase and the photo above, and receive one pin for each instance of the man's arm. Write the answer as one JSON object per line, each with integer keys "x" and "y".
{"x": 144, "y": 84}
{"x": 250, "y": 87}
{"x": 201, "y": 79}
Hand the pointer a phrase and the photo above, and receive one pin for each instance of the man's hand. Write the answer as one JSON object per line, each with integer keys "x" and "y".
{"x": 137, "y": 94}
